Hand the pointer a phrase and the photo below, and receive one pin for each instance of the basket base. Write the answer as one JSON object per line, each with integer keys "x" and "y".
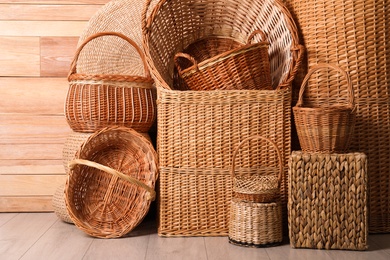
{"x": 243, "y": 244}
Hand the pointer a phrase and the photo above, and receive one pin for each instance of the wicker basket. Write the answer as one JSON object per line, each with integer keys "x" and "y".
{"x": 73, "y": 143}
{"x": 257, "y": 184}
{"x": 327, "y": 205}
{"x": 325, "y": 128}
{"x": 59, "y": 205}
{"x": 255, "y": 224}
{"x": 111, "y": 182}
{"x": 245, "y": 67}
{"x": 97, "y": 101}
{"x": 198, "y": 130}
{"x": 360, "y": 43}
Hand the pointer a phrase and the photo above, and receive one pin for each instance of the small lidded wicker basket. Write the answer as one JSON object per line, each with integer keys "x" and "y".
{"x": 111, "y": 182}
{"x": 243, "y": 67}
{"x": 257, "y": 184}
{"x": 102, "y": 100}
{"x": 325, "y": 126}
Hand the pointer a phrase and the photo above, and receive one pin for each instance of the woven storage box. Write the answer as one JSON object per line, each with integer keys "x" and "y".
{"x": 95, "y": 101}
{"x": 261, "y": 183}
{"x": 255, "y": 224}
{"x": 244, "y": 67}
{"x": 59, "y": 205}
{"x": 360, "y": 43}
{"x": 198, "y": 130}
{"x": 111, "y": 182}
{"x": 73, "y": 143}
{"x": 328, "y": 201}
{"x": 325, "y": 127}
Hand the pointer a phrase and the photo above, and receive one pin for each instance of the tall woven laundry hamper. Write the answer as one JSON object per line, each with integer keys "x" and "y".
{"x": 355, "y": 35}
{"x": 197, "y": 131}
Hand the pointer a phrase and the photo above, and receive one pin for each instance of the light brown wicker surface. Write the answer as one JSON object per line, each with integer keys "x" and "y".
{"x": 325, "y": 127}
{"x": 245, "y": 67}
{"x": 261, "y": 183}
{"x": 328, "y": 200}
{"x": 355, "y": 35}
{"x": 111, "y": 182}
{"x": 121, "y": 16}
{"x": 199, "y": 129}
{"x": 255, "y": 224}
{"x": 59, "y": 205}
{"x": 95, "y": 101}
{"x": 73, "y": 143}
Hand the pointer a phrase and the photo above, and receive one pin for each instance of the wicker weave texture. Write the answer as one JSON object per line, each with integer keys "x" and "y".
{"x": 111, "y": 182}
{"x": 324, "y": 127}
{"x": 193, "y": 21}
{"x": 199, "y": 129}
{"x": 355, "y": 35}
{"x": 74, "y": 142}
{"x": 101, "y": 100}
{"x": 261, "y": 183}
{"x": 59, "y": 205}
{"x": 255, "y": 224}
{"x": 328, "y": 201}
{"x": 244, "y": 67}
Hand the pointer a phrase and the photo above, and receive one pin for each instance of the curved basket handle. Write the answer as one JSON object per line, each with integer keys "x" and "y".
{"x": 185, "y": 56}
{"x": 320, "y": 66}
{"x": 150, "y": 196}
{"x": 254, "y": 33}
{"x": 257, "y": 137}
{"x": 97, "y": 35}
{"x": 298, "y": 51}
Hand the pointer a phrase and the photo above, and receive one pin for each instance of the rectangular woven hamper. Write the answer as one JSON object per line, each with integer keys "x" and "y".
{"x": 327, "y": 205}
{"x": 197, "y": 133}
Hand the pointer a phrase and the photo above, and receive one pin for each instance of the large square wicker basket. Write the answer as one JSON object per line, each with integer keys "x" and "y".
{"x": 327, "y": 206}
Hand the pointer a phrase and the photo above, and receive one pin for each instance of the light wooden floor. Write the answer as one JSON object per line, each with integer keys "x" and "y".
{"x": 44, "y": 236}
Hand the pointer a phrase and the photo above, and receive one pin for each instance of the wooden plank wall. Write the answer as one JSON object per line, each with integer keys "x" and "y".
{"x": 37, "y": 43}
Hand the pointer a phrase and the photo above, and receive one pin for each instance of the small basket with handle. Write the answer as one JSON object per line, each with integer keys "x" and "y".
{"x": 325, "y": 127}
{"x": 259, "y": 184}
{"x": 243, "y": 67}
{"x": 97, "y": 101}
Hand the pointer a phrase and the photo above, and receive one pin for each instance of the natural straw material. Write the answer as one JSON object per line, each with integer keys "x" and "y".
{"x": 255, "y": 224}
{"x": 325, "y": 127}
{"x": 59, "y": 205}
{"x": 245, "y": 67}
{"x": 198, "y": 130}
{"x": 355, "y": 34}
{"x": 73, "y": 143}
{"x": 111, "y": 182}
{"x": 100, "y": 100}
{"x": 327, "y": 204}
{"x": 261, "y": 183}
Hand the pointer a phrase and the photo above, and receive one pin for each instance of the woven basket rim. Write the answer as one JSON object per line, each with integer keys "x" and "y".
{"x": 110, "y": 77}
{"x": 221, "y": 57}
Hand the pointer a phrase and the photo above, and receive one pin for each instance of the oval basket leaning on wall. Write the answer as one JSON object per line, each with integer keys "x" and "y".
{"x": 111, "y": 182}
{"x": 101, "y": 100}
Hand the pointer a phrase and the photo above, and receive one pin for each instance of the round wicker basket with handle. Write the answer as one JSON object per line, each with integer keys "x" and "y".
{"x": 245, "y": 67}
{"x": 95, "y": 101}
{"x": 325, "y": 127}
{"x": 111, "y": 182}
{"x": 259, "y": 184}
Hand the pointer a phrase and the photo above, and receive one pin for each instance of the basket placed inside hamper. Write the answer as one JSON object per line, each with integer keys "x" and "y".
{"x": 111, "y": 182}
{"x": 258, "y": 184}
{"x": 325, "y": 127}
{"x": 95, "y": 101}
{"x": 244, "y": 67}
{"x": 199, "y": 130}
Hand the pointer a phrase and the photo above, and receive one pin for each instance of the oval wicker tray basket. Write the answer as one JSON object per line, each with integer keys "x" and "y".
{"x": 111, "y": 182}
{"x": 95, "y": 101}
